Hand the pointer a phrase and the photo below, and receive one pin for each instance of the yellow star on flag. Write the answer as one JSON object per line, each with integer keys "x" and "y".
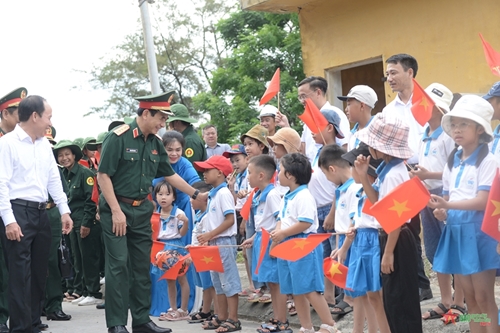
{"x": 400, "y": 207}
{"x": 300, "y": 244}
{"x": 497, "y": 207}
{"x": 207, "y": 260}
{"x": 424, "y": 102}
{"x": 334, "y": 269}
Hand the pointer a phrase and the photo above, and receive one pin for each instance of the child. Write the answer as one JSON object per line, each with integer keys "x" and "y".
{"x": 387, "y": 138}
{"x": 360, "y": 100}
{"x": 202, "y": 279}
{"x": 220, "y": 229}
{"x": 265, "y": 207}
{"x": 298, "y": 218}
{"x": 173, "y": 225}
{"x": 434, "y": 149}
{"x": 463, "y": 249}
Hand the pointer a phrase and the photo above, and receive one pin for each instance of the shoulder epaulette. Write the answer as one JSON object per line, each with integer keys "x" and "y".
{"x": 159, "y": 137}
{"x": 60, "y": 166}
{"x": 121, "y": 129}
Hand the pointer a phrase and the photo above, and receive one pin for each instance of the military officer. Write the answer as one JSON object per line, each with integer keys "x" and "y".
{"x": 132, "y": 156}
{"x": 10, "y": 118}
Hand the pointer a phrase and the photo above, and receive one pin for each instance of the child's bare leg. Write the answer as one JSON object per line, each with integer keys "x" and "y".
{"x": 472, "y": 306}
{"x": 444, "y": 281}
{"x": 321, "y": 307}
{"x": 484, "y": 293}
{"x": 458, "y": 299}
{"x": 249, "y": 273}
{"x": 208, "y": 297}
{"x": 172, "y": 294}
{"x": 369, "y": 313}
{"x": 376, "y": 303}
{"x": 279, "y": 302}
{"x": 359, "y": 314}
{"x": 232, "y": 305}
{"x": 223, "y": 310}
{"x": 184, "y": 291}
{"x": 303, "y": 311}
{"x": 329, "y": 291}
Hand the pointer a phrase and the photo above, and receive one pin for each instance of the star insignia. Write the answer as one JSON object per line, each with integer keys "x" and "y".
{"x": 497, "y": 207}
{"x": 424, "y": 102}
{"x": 334, "y": 269}
{"x": 300, "y": 244}
{"x": 400, "y": 207}
{"x": 207, "y": 260}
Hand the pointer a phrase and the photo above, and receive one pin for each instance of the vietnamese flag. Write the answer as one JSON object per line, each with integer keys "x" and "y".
{"x": 335, "y": 272}
{"x": 157, "y": 247}
{"x": 422, "y": 104}
{"x": 492, "y": 212}
{"x": 297, "y": 248}
{"x": 272, "y": 89}
{"x": 155, "y": 225}
{"x": 245, "y": 210}
{"x": 313, "y": 118}
{"x": 492, "y": 57}
{"x": 173, "y": 272}
{"x": 400, "y": 205}
{"x": 206, "y": 258}
{"x": 264, "y": 242}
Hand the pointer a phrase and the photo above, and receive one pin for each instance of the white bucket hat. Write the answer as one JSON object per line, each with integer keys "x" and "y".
{"x": 441, "y": 95}
{"x": 471, "y": 107}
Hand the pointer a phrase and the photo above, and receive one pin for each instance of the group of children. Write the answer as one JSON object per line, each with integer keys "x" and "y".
{"x": 454, "y": 155}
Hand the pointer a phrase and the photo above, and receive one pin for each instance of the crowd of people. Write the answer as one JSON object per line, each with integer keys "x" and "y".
{"x": 109, "y": 198}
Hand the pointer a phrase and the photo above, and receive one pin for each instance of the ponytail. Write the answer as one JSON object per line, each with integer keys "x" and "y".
{"x": 483, "y": 152}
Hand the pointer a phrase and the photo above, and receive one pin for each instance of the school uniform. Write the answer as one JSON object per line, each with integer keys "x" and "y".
{"x": 353, "y": 139}
{"x": 169, "y": 231}
{"x": 463, "y": 248}
{"x": 202, "y": 279}
{"x": 299, "y": 206}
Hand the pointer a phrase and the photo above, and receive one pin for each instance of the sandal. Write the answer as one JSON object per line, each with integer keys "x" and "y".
{"x": 266, "y": 298}
{"x": 247, "y": 292}
{"x": 254, "y": 297}
{"x": 69, "y": 297}
{"x": 177, "y": 315}
{"x": 433, "y": 314}
{"x": 452, "y": 317}
{"x": 164, "y": 315}
{"x": 344, "y": 308}
{"x": 200, "y": 317}
{"x": 305, "y": 330}
{"x": 212, "y": 324}
{"x": 328, "y": 328}
{"x": 275, "y": 326}
{"x": 290, "y": 305}
{"x": 229, "y": 326}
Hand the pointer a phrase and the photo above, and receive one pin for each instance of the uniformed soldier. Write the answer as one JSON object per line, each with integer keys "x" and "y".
{"x": 132, "y": 156}
{"x": 9, "y": 118}
{"x": 88, "y": 159}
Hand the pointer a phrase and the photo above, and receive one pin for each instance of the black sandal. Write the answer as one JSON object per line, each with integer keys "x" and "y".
{"x": 200, "y": 317}
{"x": 210, "y": 325}
{"x": 232, "y": 327}
{"x": 434, "y": 315}
{"x": 275, "y": 326}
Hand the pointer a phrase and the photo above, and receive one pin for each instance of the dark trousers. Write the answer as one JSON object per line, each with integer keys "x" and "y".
{"x": 4, "y": 287}
{"x": 27, "y": 263}
{"x": 400, "y": 288}
{"x": 53, "y": 288}
{"x": 415, "y": 226}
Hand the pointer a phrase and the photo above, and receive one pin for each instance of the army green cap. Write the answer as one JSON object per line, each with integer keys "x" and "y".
{"x": 180, "y": 113}
{"x": 258, "y": 133}
{"x": 160, "y": 102}
{"x": 93, "y": 145}
{"x": 116, "y": 123}
{"x": 78, "y": 142}
{"x": 87, "y": 140}
{"x": 75, "y": 149}
{"x": 13, "y": 98}
{"x": 50, "y": 134}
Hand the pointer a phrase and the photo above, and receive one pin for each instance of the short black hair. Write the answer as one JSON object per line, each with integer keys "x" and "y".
{"x": 172, "y": 136}
{"x": 298, "y": 166}
{"x": 407, "y": 61}
{"x": 162, "y": 183}
{"x": 11, "y": 110}
{"x": 332, "y": 155}
{"x": 209, "y": 126}
{"x": 315, "y": 82}
{"x": 29, "y": 105}
{"x": 202, "y": 186}
{"x": 265, "y": 163}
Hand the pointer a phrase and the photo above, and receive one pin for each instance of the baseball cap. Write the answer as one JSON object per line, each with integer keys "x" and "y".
{"x": 494, "y": 91}
{"x": 362, "y": 93}
{"x": 333, "y": 118}
{"x": 364, "y": 150}
{"x": 441, "y": 95}
{"x": 235, "y": 150}
{"x": 268, "y": 111}
{"x": 218, "y": 162}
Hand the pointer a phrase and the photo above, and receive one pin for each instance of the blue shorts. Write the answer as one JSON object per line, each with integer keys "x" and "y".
{"x": 304, "y": 275}
{"x": 268, "y": 270}
{"x": 227, "y": 283}
{"x": 203, "y": 280}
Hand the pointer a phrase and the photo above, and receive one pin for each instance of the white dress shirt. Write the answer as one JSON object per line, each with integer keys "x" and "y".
{"x": 28, "y": 172}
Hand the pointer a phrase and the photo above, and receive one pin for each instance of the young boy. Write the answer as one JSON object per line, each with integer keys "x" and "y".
{"x": 360, "y": 100}
{"x": 387, "y": 138}
{"x": 203, "y": 279}
{"x": 265, "y": 207}
{"x": 220, "y": 229}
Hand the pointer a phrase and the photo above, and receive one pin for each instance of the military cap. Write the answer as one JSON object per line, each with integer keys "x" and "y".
{"x": 93, "y": 145}
{"x": 87, "y": 140}
{"x": 78, "y": 142}
{"x": 75, "y": 149}
{"x": 13, "y": 98}
{"x": 50, "y": 134}
{"x": 116, "y": 123}
{"x": 180, "y": 113}
{"x": 160, "y": 102}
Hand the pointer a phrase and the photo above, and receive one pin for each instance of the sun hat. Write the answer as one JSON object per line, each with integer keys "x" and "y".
{"x": 494, "y": 91}
{"x": 181, "y": 113}
{"x": 362, "y": 93}
{"x": 441, "y": 95}
{"x": 388, "y": 135}
{"x": 93, "y": 145}
{"x": 235, "y": 150}
{"x": 288, "y": 137}
{"x": 75, "y": 149}
{"x": 268, "y": 111}
{"x": 364, "y": 150}
{"x": 333, "y": 118}
{"x": 116, "y": 123}
{"x": 87, "y": 140}
{"x": 474, "y": 108}
{"x": 218, "y": 162}
{"x": 258, "y": 133}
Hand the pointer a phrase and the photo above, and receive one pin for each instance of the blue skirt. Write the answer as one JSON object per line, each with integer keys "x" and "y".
{"x": 463, "y": 248}
{"x": 364, "y": 263}
{"x": 268, "y": 270}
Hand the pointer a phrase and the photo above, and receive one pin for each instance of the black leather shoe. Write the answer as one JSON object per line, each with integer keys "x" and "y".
{"x": 117, "y": 329}
{"x": 150, "y": 328}
{"x": 101, "y": 306}
{"x": 425, "y": 294}
{"x": 58, "y": 315}
{"x": 42, "y": 326}
{"x": 4, "y": 328}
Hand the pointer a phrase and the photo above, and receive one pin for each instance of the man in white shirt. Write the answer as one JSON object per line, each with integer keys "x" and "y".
{"x": 29, "y": 174}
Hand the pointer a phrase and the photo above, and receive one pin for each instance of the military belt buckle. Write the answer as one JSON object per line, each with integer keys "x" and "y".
{"x": 137, "y": 203}
{"x": 42, "y": 205}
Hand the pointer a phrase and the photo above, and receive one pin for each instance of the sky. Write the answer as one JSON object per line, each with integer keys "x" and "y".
{"x": 48, "y": 45}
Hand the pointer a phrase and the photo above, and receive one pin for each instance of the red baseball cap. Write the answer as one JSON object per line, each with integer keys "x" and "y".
{"x": 215, "y": 162}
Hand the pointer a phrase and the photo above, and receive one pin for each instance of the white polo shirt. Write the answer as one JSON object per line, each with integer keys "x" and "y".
{"x": 170, "y": 226}
{"x": 402, "y": 111}
{"x": 241, "y": 184}
{"x": 362, "y": 220}
{"x": 353, "y": 138}
{"x": 346, "y": 205}
{"x": 198, "y": 229}
{"x": 495, "y": 144}
{"x": 220, "y": 203}
{"x": 265, "y": 207}
{"x": 298, "y": 206}
{"x": 321, "y": 188}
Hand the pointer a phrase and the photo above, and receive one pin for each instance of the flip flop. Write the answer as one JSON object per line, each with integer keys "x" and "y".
{"x": 344, "y": 307}
{"x": 434, "y": 315}
{"x": 266, "y": 298}
{"x": 290, "y": 305}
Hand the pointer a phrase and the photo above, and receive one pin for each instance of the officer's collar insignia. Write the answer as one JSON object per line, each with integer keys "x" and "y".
{"x": 135, "y": 132}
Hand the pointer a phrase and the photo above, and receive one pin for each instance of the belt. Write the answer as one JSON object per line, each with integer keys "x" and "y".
{"x": 382, "y": 232}
{"x": 133, "y": 202}
{"x": 31, "y": 204}
{"x": 50, "y": 205}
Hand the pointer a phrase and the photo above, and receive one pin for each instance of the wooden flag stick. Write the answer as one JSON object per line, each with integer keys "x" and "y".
{"x": 413, "y": 169}
{"x": 278, "y": 96}
{"x": 231, "y": 175}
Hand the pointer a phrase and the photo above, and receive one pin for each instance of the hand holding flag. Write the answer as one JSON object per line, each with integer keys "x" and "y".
{"x": 335, "y": 272}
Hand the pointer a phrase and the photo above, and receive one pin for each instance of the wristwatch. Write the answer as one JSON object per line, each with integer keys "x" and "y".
{"x": 195, "y": 194}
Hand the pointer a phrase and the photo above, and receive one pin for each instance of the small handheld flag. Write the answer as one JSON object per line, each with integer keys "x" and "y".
{"x": 297, "y": 248}
{"x": 263, "y": 247}
{"x": 272, "y": 89}
{"x": 206, "y": 258}
{"x": 313, "y": 118}
{"x": 492, "y": 212}
{"x": 492, "y": 57}
{"x": 422, "y": 104}
{"x": 335, "y": 272}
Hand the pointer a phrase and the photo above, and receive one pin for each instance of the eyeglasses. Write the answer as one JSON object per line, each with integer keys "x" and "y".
{"x": 303, "y": 97}
{"x": 461, "y": 126}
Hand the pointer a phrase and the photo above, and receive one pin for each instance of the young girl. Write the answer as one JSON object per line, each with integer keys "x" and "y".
{"x": 463, "y": 249}
{"x": 173, "y": 226}
{"x": 298, "y": 217}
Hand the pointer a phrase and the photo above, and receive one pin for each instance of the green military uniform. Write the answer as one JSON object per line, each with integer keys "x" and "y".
{"x": 86, "y": 251}
{"x": 131, "y": 163}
